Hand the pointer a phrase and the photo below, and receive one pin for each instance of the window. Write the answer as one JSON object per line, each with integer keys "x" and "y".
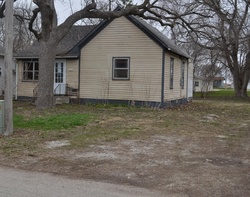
{"x": 59, "y": 72}
{"x": 121, "y": 68}
{"x": 171, "y": 73}
{"x": 182, "y": 75}
{"x": 30, "y": 71}
{"x": 196, "y": 83}
{"x": 1, "y": 72}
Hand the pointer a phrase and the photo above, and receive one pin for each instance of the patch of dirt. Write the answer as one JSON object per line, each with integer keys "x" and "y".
{"x": 182, "y": 165}
{"x": 57, "y": 143}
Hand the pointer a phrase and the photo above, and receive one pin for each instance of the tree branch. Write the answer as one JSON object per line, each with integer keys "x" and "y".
{"x": 31, "y": 22}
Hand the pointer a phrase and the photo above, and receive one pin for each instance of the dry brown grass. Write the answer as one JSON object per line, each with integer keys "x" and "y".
{"x": 201, "y": 148}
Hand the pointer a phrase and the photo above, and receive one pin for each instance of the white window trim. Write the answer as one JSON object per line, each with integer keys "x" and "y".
{"x": 113, "y": 68}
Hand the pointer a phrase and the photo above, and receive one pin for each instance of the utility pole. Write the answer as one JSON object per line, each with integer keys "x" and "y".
{"x": 8, "y": 62}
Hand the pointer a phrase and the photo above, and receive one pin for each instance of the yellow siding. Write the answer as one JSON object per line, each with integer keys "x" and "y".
{"x": 72, "y": 73}
{"x": 121, "y": 39}
{"x": 24, "y": 88}
{"x": 177, "y": 92}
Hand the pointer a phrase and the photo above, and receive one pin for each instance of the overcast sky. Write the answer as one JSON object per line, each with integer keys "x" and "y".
{"x": 63, "y": 7}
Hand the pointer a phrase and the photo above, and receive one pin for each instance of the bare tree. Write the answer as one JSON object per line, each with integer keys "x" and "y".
{"x": 22, "y": 37}
{"x": 226, "y": 28}
{"x": 222, "y": 26}
{"x": 210, "y": 68}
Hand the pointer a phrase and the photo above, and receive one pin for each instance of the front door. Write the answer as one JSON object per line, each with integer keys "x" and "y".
{"x": 60, "y": 78}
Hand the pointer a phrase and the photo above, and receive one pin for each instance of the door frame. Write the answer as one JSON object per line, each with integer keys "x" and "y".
{"x": 62, "y": 90}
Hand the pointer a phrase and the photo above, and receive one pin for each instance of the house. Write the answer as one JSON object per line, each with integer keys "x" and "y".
{"x": 122, "y": 60}
{"x": 2, "y": 74}
{"x": 202, "y": 86}
{"x": 218, "y": 82}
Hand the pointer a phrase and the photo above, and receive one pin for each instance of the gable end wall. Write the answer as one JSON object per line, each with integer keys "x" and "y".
{"x": 121, "y": 39}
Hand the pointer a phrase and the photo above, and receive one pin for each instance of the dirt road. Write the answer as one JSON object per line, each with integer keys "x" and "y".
{"x": 29, "y": 184}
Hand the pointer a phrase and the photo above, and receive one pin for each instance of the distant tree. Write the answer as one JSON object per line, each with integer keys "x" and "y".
{"x": 22, "y": 36}
{"x": 209, "y": 70}
{"x": 226, "y": 28}
{"x": 218, "y": 25}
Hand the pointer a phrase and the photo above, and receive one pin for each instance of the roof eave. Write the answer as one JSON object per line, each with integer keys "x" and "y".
{"x": 57, "y": 57}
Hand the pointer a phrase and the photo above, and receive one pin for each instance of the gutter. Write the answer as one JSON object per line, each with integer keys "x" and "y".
{"x": 57, "y": 57}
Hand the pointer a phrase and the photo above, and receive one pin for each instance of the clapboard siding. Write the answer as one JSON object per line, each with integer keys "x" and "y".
{"x": 25, "y": 88}
{"x": 121, "y": 39}
{"x": 72, "y": 73}
{"x": 177, "y": 92}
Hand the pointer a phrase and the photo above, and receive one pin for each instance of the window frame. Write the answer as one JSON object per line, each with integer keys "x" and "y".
{"x": 182, "y": 81}
{"x": 114, "y": 68}
{"x": 171, "y": 83}
{"x": 33, "y": 71}
{"x": 196, "y": 83}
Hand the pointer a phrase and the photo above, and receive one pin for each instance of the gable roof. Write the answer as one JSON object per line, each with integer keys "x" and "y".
{"x": 79, "y": 36}
{"x": 64, "y": 49}
{"x": 149, "y": 30}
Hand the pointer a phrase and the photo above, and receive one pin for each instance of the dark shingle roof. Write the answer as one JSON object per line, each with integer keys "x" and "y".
{"x": 78, "y": 36}
{"x": 73, "y": 37}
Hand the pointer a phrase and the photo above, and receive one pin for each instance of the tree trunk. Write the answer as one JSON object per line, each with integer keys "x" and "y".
{"x": 240, "y": 85}
{"x": 47, "y": 55}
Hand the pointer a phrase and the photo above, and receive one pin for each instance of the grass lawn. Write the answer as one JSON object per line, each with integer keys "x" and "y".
{"x": 85, "y": 125}
{"x": 218, "y": 93}
{"x": 199, "y": 149}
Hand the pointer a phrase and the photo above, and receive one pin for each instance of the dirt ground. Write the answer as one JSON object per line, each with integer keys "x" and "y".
{"x": 206, "y": 155}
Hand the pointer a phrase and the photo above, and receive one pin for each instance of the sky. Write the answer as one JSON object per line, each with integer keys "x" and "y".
{"x": 63, "y": 7}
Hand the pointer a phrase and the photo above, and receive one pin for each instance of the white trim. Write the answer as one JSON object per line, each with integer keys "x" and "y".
{"x": 113, "y": 68}
{"x": 64, "y": 72}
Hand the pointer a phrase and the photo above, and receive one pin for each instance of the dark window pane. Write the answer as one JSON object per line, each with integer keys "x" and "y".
{"x": 30, "y": 71}
{"x": 121, "y": 63}
{"x": 171, "y": 73}
{"x": 121, "y": 73}
{"x": 36, "y": 66}
{"x": 36, "y": 75}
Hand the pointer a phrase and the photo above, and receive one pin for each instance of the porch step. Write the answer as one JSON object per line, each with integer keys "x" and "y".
{"x": 61, "y": 100}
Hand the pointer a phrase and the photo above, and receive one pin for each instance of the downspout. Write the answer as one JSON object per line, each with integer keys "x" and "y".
{"x": 163, "y": 75}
